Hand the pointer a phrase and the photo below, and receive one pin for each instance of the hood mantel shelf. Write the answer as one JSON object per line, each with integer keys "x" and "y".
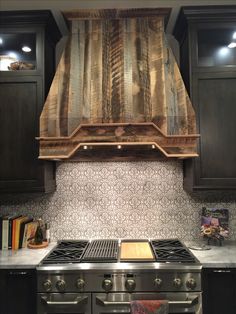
{"x": 117, "y": 84}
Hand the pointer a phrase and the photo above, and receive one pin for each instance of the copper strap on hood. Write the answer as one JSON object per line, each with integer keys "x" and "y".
{"x": 117, "y": 84}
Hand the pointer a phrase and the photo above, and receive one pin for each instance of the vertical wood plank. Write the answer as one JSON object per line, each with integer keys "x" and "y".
{"x": 106, "y": 72}
{"x": 96, "y": 72}
{"x": 74, "y": 115}
{"x": 128, "y": 64}
{"x": 86, "y": 100}
{"x": 117, "y": 70}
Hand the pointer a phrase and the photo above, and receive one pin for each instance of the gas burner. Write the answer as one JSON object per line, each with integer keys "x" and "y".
{"x": 167, "y": 243}
{"x": 66, "y": 251}
{"x": 179, "y": 255}
{"x": 70, "y": 244}
{"x": 171, "y": 250}
{"x": 63, "y": 256}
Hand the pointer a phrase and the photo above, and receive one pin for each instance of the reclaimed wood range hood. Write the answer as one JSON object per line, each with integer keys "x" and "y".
{"x": 117, "y": 92}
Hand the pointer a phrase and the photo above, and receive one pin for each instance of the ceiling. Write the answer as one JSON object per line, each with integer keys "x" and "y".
{"x": 59, "y": 5}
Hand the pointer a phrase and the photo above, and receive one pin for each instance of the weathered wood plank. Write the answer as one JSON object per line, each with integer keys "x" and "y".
{"x": 96, "y": 72}
{"x": 157, "y": 75}
{"x": 88, "y": 14}
{"x": 128, "y": 65}
{"x": 118, "y": 70}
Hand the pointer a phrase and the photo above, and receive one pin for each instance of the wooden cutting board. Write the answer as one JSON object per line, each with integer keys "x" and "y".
{"x": 137, "y": 251}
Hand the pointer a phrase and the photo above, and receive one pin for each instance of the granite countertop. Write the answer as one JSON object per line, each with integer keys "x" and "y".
{"x": 23, "y": 258}
{"x": 218, "y": 256}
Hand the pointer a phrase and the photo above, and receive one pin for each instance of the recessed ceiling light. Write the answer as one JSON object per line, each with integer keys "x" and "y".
{"x": 26, "y": 49}
{"x": 232, "y": 45}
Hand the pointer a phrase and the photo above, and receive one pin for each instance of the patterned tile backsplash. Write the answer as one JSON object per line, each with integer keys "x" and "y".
{"x": 123, "y": 200}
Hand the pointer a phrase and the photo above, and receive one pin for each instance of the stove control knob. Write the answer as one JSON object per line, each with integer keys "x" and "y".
{"x": 191, "y": 283}
{"x": 157, "y": 282}
{"x": 61, "y": 285}
{"x": 80, "y": 284}
{"x": 130, "y": 284}
{"x": 177, "y": 283}
{"x": 107, "y": 284}
{"x": 47, "y": 285}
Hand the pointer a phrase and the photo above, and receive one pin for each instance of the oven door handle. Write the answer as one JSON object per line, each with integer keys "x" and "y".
{"x": 77, "y": 301}
{"x": 187, "y": 303}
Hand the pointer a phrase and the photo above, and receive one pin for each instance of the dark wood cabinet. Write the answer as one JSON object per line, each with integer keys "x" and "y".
{"x": 22, "y": 93}
{"x": 219, "y": 290}
{"x": 208, "y": 67}
{"x": 18, "y": 291}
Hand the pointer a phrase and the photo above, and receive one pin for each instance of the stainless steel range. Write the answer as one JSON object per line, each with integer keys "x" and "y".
{"x": 96, "y": 277}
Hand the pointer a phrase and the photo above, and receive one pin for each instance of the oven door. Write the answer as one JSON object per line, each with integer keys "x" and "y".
{"x": 63, "y": 303}
{"x": 179, "y": 302}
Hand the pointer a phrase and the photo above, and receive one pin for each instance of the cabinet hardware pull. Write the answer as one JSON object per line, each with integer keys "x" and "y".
{"x": 77, "y": 301}
{"x": 222, "y": 271}
{"x": 188, "y": 303}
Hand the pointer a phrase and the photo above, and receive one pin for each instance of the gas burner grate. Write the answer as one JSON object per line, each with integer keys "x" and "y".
{"x": 101, "y": 251}
{"x": 171, "y": 250}
{"x": 167, "y": 243}
{"x": 63, "y": 256}
{"x": 179, "y": 255}
{"x": 72, "y": 244}
{"x": 66, "y": 251}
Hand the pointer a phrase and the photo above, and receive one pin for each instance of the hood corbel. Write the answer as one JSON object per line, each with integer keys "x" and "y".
{"x": 117, "y": 85}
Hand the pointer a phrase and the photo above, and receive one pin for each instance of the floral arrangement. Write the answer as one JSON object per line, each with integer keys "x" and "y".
{"x": 215, "y": 224}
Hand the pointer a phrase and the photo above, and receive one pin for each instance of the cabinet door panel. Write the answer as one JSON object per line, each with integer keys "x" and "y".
{"x": 2, "y": 290}
{"x": 219, "y": 291}
{"x": 21, "y": 292}
{"x": 20, "y": 100}
{"x": 204, "y": 35}
{"x": 215, "y": 97}
{"x": 25, "y": 78}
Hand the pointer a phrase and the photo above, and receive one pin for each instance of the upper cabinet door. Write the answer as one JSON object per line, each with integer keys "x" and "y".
{"x": 18, "y": 51}
{"x": 213, "y": 46}
{"x": 216, "y": 46}
{"x": 27, "y": 67}
{"x": 207, "y": 38}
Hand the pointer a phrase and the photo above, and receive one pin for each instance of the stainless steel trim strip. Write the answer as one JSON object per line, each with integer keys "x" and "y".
{"x": 121, "y": 267}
